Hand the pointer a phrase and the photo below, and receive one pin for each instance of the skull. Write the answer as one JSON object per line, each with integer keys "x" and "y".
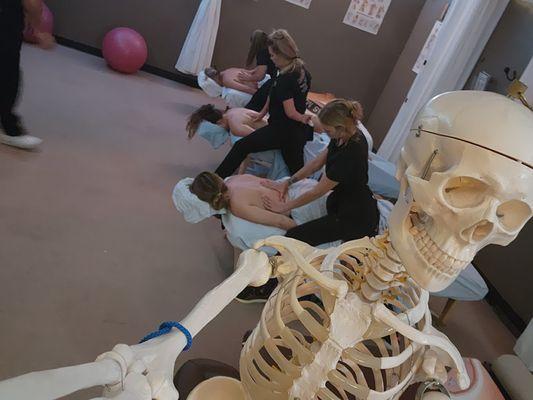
{"x": 466, "y": 181}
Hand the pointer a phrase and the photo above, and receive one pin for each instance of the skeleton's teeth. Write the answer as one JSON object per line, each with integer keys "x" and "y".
{"x": 442, "y": 265}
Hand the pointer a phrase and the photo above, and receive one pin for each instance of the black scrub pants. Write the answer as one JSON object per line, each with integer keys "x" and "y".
{"x": 260, "y": 97}
{"x": 332, "y": 228}
{"x": 290, "y": 138}
{"x": 10, "y": 45}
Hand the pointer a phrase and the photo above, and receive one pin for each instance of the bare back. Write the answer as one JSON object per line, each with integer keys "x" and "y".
{"x": 246, "y": 189}
{"x": 230, "y": 79}
{"x": 242, "y": 121}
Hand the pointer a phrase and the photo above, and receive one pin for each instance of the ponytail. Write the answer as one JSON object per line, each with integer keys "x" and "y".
{"x": 258, "y": 42}
{"x": 355, "y": 109}
{"x": 340, "y": 113}
{"x": 209, "y": 187}
{"x": 282, "y": 43}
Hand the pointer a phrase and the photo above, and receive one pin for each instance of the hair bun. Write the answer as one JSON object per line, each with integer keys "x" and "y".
{"x": 356, "y": 110}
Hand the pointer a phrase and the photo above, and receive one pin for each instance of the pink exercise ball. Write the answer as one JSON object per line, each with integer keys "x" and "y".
{"x": 47, "y": 25}
{"x": 124, "y": 50}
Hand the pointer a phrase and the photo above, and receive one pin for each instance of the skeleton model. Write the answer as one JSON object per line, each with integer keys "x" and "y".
{"x": 353, "y": 322}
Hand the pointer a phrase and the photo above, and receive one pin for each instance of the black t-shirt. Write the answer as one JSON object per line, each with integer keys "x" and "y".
{"x": 290, "y": 85}
{"x": 348, "y": 166}
{"x": 11, "y": 22}
{"x": 263, "y": 58}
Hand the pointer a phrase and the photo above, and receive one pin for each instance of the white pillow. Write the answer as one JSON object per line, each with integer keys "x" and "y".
{"x": 208, "y": 85}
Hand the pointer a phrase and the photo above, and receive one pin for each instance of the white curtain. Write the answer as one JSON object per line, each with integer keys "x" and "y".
{"x": 197, "y": 51}
{"x": 462, "y": 37}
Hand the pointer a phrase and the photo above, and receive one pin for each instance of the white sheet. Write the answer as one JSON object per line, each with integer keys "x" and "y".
{"x": 469, "y": 286}
{"x": 197, "y": 51}
{"x": 244, "y": 234}
{"x": 233, "y": 98}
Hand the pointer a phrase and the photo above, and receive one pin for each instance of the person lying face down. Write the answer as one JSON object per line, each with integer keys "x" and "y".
{"x": 239, "y": 121}
{"x": 242, "y": 195}
{"x": 230, "y": 78}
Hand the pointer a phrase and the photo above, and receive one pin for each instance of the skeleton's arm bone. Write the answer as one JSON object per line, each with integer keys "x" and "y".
{"x": 253, "y": 268}
{"x": 159, "y": 354}
{"x": 60, "y": 382}
{"x": 381, "y": 313}
{"x": 298, "y": 251}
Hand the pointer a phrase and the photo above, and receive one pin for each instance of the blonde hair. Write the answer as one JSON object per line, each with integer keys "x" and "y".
{"x": 283, "y": 44}
{"x": 210, "y": 187}
{"x": 341, "y": 113}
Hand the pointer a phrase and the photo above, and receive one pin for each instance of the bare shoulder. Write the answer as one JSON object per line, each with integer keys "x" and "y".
{"x": 239, "y": 204}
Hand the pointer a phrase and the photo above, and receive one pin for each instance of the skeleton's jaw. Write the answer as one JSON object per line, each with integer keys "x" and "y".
{"x": 427, "y": 263}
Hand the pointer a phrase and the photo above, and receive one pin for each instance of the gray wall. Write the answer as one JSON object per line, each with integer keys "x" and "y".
{"x": 163, "y": 23}
{"x": 509, "y": 268}
{"x": 343, "y": 60}
{"x": 402, "y": 76}
{"x": 511, "y": 44}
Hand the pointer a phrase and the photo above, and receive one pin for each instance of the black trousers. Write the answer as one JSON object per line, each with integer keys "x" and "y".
{"x": 10, "y": 45}
{"x": 332, "y": 228}
{"x": 259, "y": 99}
{"x": 289, "y": 138}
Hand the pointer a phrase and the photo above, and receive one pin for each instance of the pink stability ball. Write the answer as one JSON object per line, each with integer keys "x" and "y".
{"x": 47, "y": 25}
{"x": 124, "y": 50}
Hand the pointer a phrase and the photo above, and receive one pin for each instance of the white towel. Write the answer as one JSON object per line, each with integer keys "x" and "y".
{"x": 208, "y": 85}
{"x": 193, "y": 209}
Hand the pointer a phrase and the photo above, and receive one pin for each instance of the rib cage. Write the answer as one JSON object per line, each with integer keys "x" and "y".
{"x": 295, "y": 324}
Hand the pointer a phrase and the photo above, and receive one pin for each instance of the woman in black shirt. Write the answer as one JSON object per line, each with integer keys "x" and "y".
{"x": 352, "y": 210}
{"x": 287, "y": 127}
{"x": 263, "y": 65}
{"x": 259, "y": 54}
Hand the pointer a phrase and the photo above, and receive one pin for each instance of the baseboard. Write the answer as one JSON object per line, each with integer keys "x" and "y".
{"x": 189, "y": 80}
{"x": 503, "y": 309}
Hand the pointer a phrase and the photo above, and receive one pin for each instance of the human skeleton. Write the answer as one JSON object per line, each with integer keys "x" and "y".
{"x": 353, "y": 322}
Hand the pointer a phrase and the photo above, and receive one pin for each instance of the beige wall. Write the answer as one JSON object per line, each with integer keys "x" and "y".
{"x": 402, "y": 76}
{"x": 343, "y": 60}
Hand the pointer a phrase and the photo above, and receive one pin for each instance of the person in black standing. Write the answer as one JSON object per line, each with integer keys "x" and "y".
{"x": 352, "y": 209}
{"x": 12, "y": 16}
{"x": 287, "y": 128}
{"x": 263, "y": 65}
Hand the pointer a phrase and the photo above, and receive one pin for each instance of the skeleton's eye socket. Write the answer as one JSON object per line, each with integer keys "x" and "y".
{"x": 465, "y": 192}
{"x": 513, "y": 214}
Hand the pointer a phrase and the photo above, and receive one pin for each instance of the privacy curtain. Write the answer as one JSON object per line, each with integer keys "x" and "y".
{"x": 462, "y": 37}
{"x": 197, "y": 51}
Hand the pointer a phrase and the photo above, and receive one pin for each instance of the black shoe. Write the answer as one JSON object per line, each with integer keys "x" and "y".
{"x": 257, "y": 294}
